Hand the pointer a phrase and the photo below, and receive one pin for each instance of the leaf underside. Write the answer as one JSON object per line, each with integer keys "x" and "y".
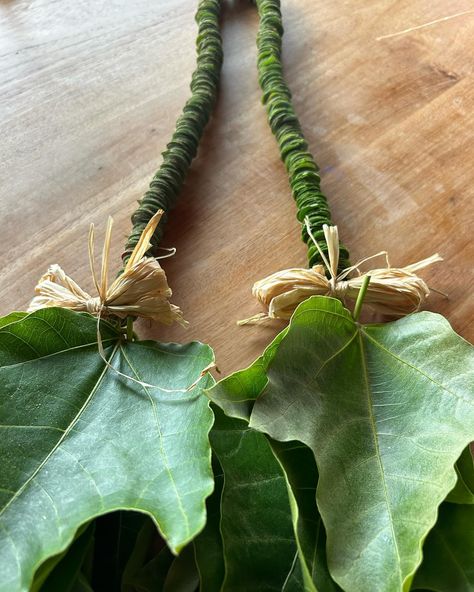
{"x": 80, "y": 441}
{"x": 386, "y": 410}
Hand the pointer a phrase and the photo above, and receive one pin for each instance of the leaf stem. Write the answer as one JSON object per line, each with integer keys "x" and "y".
{"x": 360, "y": 298}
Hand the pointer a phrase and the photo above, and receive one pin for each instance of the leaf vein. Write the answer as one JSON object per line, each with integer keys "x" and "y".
{"x": 60, "y": 441}
{"x": 379, "y": 458}
{"x": 162, "y": 448}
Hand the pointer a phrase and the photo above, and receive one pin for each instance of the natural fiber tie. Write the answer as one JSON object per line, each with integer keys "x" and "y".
{"x": 394, "y": 291}
{"x": 141, "y": 290}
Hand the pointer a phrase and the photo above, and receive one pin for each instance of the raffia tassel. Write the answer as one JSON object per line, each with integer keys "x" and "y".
{"x": 141, "y": 290}
{"x": 393, "y": 291}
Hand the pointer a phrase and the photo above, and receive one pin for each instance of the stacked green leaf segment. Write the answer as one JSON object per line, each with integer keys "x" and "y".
{"x": 339, "y": 460}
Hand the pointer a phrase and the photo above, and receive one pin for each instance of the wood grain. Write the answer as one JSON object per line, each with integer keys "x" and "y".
{"x": 89, "y": 93}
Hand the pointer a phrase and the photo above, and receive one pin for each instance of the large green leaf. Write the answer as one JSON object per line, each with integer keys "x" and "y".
{"x": 255, "y": 525}
{"x": 78, "y": 440}
{"x": 236, "y": 394}
{"x": 387, "y": 410}
{"x": 448, "y": 562}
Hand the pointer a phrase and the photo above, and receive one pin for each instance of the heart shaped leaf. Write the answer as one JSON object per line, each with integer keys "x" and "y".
{"x": 387, "y": 410}
{"x": 78, "y": 440}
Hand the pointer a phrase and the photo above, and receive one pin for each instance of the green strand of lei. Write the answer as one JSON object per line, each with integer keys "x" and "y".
{"x": 302, "y": 169}
{"x": 168, "y": 180}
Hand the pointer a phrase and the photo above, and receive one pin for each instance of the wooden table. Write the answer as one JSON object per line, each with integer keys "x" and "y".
{"x": 89, "y": 93}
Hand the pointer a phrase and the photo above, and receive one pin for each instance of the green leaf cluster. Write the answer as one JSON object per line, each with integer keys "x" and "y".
{"x": 339, "y": 460}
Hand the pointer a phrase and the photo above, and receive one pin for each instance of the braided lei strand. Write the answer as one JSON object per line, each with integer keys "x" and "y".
{"x": 141, "y": 289}
{"x": 182, "y": 148}
{"x": 390, "y": 290}
{"x": 302, "y": 169}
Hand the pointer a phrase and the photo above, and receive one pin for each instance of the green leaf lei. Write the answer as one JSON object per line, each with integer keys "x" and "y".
{"x": 339, "y": 460}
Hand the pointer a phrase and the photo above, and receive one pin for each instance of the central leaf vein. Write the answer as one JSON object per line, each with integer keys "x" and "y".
{"x": 377, "y": 449}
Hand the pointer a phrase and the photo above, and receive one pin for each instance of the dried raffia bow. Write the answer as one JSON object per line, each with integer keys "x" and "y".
{"x": 141, "y": 290}
{"x": 394, "y": 291}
